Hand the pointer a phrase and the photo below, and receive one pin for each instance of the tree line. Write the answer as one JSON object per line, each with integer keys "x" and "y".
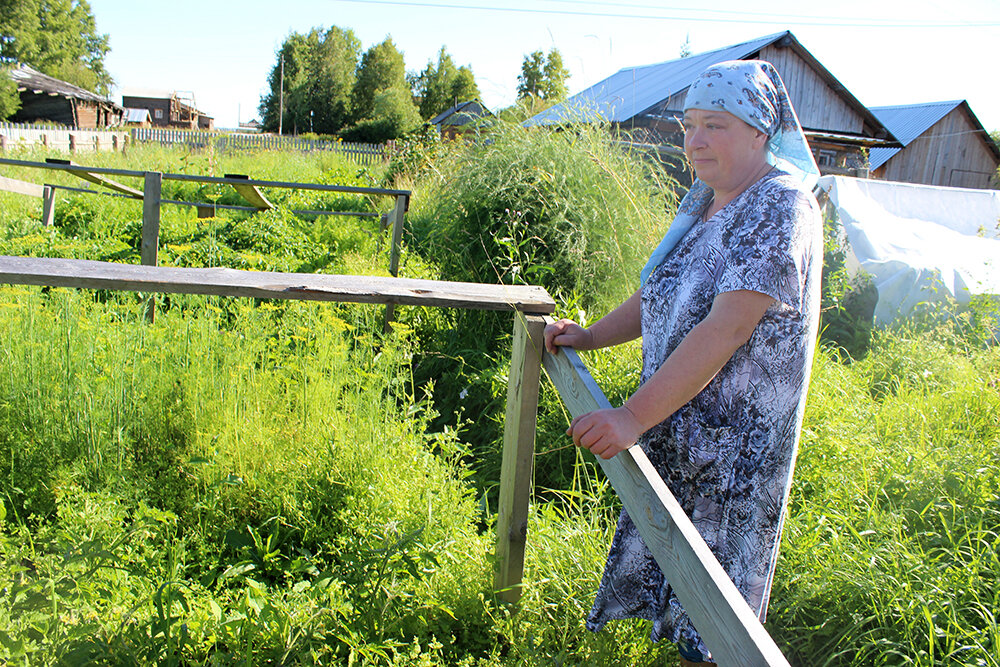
{"x": 56, "y": 37}
{"x": 321, "y": 82}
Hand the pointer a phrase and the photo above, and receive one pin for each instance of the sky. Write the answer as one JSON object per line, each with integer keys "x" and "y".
{"x": 884, "y": 52}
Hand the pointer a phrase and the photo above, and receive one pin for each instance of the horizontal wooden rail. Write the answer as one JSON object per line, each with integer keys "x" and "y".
{"x": 725, "y": 621}
{"x": 211, "y": 179}
{"x": 264, "y": 285}
{"x": 21, "y": 187}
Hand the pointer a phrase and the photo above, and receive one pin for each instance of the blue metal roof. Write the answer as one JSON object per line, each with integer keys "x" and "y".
{"x": 633, "y": 90}
{"x": 907, "y": 122}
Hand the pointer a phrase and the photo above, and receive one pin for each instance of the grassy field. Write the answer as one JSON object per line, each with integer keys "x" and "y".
{"x": 247, "y": 482}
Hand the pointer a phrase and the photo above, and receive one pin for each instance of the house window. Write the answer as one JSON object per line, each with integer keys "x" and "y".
{"x": 157, "y": 114}
{"x": 826, "y": 158}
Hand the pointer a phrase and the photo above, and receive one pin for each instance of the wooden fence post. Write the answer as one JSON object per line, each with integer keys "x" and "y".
{"x": 518, "y": 454}
{"x": 402, "y": 202}
{"x": 3, "y": 143}
{"x": 151, "y": 189}
{"x": 48, "y": 205}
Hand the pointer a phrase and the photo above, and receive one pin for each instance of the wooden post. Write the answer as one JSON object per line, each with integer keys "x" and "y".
{"x": 48, "y": 205}
{"x": 151, "y": 189}
{"x": 72, "y": 143}
{"x": 518, "y": 454}
{"x": 3, "y": 143}
{"x": 725, "y": 621}
{"x": 397, "y": 241}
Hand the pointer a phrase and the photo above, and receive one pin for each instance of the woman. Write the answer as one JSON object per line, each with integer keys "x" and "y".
{"x": 727, "y": 311}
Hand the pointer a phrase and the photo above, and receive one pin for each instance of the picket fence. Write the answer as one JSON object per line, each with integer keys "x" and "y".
{"x": 60, "y": 138}
{"x": 361, "y": 153}
{"x": 71, "y": 140}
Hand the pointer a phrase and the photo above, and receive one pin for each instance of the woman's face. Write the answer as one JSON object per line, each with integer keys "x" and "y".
{"x": 726, "y": 153}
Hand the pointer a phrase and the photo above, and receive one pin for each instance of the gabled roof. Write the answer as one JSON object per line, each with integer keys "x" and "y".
{"x": 635, "y": 90}
{"x": 461, "y": 114}
{"x": 909, "y": 121}
{"x": 29, "y": 79}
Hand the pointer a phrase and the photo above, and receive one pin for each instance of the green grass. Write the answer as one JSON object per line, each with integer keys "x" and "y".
{"x": 250, "y": 482}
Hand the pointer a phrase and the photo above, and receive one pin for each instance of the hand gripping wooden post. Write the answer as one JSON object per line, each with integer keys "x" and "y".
{"x": 518, "y": 454}
{"x": 725, "y": 621}
{"x": 151, "y": 190}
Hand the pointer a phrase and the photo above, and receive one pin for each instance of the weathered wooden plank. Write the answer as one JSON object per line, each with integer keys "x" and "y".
{"x": 250, "y": 192}
{"x": 48, "y": 206}
{"x": 21, "y": 187}
{"x": 397, "y": 241}
{"x": 518, "y": 455}
{"x": 728, "y": 626}
{"x": 98, "y": 179}
{"x": 263, "y": 285}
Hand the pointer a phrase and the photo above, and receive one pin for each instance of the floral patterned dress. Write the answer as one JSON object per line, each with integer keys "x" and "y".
{"x": 728, "y": 454}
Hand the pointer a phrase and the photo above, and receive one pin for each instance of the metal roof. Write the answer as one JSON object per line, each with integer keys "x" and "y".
{"x": 29, "y": 79}
{"x": 633, "y": 90}
{"x": 909, "y": 121}
{"x": 461, "y": 114}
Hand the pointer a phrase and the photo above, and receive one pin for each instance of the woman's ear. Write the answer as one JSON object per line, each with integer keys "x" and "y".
{"x": 759, "y": 139}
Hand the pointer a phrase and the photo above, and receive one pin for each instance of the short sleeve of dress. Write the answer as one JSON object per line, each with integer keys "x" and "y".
{"x": 769, "y": 246}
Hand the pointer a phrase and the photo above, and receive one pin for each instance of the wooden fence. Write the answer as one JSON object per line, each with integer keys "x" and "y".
{"x": 361, "y": 153}
{"x": 151, "y": 196}
{"x": 63, "y": 139}
{"x": 73, "y": 140}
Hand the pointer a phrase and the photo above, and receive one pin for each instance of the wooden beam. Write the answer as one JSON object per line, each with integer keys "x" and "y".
{"x": 21, "y": 187}
{"x": 397, "y": 242}
{"x": 96, "y": 178}
{"x": 48, "y": 206}
{"x": 264, "y": 285}
{"x": 725, "y": 621}
{"x": 250, "y": 192}
{"x": 518, "y": 455}
{"x": 150, "y": 243}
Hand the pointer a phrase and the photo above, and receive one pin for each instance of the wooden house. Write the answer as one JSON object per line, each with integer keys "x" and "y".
{"x": 943, "y": 144}
{"x": 459, "y": 119}
{"x": 646, "y": 103}
{"x": 176, "y": 111}
{"x": 46, "y": 99}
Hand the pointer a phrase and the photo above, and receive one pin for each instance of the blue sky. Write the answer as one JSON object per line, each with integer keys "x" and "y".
{"x": 887, "y": 52}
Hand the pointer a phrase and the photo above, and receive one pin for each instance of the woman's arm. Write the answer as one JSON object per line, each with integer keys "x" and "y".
{"x": 688, "y": 369}
{"x": 618, "y": 326}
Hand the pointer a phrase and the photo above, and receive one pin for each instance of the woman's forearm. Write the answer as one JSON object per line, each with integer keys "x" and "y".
{"x": 620, "y": 325}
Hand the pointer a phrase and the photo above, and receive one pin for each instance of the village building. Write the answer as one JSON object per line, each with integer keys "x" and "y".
{"x": 943, "y": 144}
{"x": 45, "y": 99}
{"x": 645, "y": 103}
{"x": 176, "y": 111}
{"x": 459, "y": 119}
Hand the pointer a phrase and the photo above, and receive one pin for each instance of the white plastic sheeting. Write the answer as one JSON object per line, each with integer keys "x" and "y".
{"x": 919, "y": 242}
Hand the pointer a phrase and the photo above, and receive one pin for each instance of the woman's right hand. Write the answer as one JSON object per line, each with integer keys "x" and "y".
{"x": 567, "y": 333}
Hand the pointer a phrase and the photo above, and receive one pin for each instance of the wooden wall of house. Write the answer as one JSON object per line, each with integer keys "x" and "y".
{"x": 818, "y": 105}
{"x": 951, "y": 153}
{"x": 45, "y": 107}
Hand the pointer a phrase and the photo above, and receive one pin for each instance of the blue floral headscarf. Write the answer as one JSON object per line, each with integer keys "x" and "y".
{"x": 752, "y": 91}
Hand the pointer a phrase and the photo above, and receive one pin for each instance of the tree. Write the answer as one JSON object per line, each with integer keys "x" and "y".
{"x": 381, "y": 69}
{"x": 58, "y": 38}
{"x": 319, "y": 70}
{"x": 542, "y": 77}
{"x": 10, "y": 101}
{"x": 441, "y": 84}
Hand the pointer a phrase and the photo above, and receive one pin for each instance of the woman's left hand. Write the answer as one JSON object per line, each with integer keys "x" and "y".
{"x": 605, "y": 432}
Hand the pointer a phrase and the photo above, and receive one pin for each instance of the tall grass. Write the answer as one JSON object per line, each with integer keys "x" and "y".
{"x": 251, "y": 482}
